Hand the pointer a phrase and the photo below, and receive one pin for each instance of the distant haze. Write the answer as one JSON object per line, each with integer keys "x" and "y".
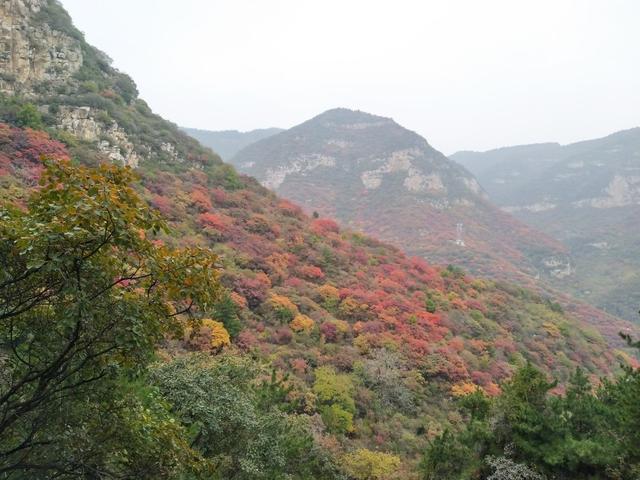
{"x": 464, "y": 74}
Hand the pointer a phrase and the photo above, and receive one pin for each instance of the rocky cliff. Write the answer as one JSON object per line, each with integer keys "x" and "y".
{"x": 33, "y": 51}
{"x": 45, "y": 61}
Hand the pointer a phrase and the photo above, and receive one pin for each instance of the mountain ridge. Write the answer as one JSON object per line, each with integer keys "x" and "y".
{"x": 227, "y": 143}
{"x": 585, "y": 194}
{"x": 341, "y": 156}
{"x": 323, "y": 307}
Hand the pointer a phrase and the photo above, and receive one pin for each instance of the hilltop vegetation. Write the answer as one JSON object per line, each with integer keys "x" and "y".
{"x": 184, "y": 322}
{"x": 112, "y": 339}
{"x": 368, "y": 348}
{"x": 377, "y": 177}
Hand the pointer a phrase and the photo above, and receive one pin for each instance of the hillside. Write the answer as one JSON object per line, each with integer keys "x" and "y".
{"x": 369, "y": 348}
{"x": 587, "y": 195}
{"x": 311, "y": 295}
{"x": 375, "y": 176}
{"x": 227, "y": 143}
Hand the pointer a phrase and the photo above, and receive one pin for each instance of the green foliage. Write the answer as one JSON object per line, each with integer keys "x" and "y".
{"x": 84, "y": 299}
{"x": 365, "y": 464}
{"x": 19, "y": 112}
{"x": 54, "y": 15}
{"x": 336, "y": 418}
{"x": 477, "y": 405}
{"x": 28, "y": 116}
{"x": 243, "y": 437}
{"x": 335, "y": 392}
{"x": 528, "y": 433}
{"x": 384, "y": 374}
{"x": 445, "y": 458}
{"x": 226, "y": 311}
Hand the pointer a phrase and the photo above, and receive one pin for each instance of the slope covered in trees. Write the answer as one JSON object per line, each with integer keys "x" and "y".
{"x": 585, "y": 194}
{"x": 369, "y": 347}
{"x": 376, "y": 176}
{"x": 188, "y": 323}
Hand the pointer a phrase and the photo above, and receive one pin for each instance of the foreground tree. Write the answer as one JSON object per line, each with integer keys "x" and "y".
{"x": 238, "y": 423}
{"x": 85, "y": 296}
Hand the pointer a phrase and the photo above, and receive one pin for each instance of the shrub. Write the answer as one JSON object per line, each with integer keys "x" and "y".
{"x": 364, "y": 464}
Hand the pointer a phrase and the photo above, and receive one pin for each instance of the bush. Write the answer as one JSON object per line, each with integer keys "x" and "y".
{"x": 28, "y": 116}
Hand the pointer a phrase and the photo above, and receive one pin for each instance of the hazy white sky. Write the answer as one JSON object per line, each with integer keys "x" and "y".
{"x": 466, "y": 74}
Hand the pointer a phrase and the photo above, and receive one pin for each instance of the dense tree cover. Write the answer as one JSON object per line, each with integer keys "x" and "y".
{"x": 369, "y": 347}
{"x": 85, "y": 295}
{"x": 239, "y": 424}
{"x": 528, "y": 433}
{"x": 325, "y": 354}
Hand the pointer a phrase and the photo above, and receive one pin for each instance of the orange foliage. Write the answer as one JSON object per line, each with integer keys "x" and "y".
{"x": 302, "y": 323}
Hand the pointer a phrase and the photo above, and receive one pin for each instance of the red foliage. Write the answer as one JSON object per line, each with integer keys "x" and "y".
{"x": 269, "y": 246}
{"x": 22, "y": 152}
{"x": 282, "y": 336}
{"x": 211, "y": 220}
{"x": 329, "y": 332}
{"x": 246, "y": 340}
{"x": 253, "y": 289}
{"x": 219, "y": 197}
{"x": 323, "y": 226}
{"x": 163, "y": 204}
{"x": 310, "y": 272}
{"x": 299, "y": 366}
{"x": 290, "y": 209}
{"x": 200, "y": 200}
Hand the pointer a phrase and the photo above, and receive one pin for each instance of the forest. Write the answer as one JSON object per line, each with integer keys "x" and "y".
{"x": 125, "y": 356}
{"x": 163, "y": 316}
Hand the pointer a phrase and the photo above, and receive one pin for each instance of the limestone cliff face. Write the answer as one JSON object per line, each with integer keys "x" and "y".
{"x": 585, "y": 194}
{"x": 45, "y": 60}
{"x": 109, "y": 138}
{"x": 31, "y": 51}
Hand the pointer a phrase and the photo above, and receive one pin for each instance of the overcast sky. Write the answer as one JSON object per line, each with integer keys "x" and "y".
{"x": 465, "y": 74}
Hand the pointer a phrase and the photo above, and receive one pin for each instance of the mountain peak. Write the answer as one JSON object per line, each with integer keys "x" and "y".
{"x": 375, "y": 175}
{"x": 346, "y": 115}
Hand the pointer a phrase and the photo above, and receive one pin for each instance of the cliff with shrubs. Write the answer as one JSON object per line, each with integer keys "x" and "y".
{"x": 318, "y": 352}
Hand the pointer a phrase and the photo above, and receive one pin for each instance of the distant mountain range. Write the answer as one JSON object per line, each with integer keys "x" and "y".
{"x": 227, "y": 143}
{"x": 374, "y": 175}
{"x": 587, "y": 195}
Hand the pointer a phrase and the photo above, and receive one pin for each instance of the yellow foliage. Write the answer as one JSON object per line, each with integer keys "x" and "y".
{"x": 328, "y": 291}
{"x": 211, "y": 336}
{"x": 479, "y": 285}
{"x": 280, "y": 302}
{"x": 301, "y": 323}
{"x": 463, "y": 389}
{"x": 341, "y": 326}
{"x": 365, "y": 464}
{"x": 350, "y": 308}
{"x": 362, "y": 344}
{"x": 551, "y": 329}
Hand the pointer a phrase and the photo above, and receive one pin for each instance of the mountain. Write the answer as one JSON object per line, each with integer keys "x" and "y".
{"x": 227, "y": 143}
{"x": 325, "y": 308}
{"x": 380, "y": 178}
{"x": 587, "y": 195}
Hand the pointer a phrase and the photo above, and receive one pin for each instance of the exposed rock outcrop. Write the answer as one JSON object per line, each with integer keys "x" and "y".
{"x": 110, "y": 139}
{"x": 32, "y": 52}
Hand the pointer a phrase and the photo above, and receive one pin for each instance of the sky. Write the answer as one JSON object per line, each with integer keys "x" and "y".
{"x": 465, "y": 74}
